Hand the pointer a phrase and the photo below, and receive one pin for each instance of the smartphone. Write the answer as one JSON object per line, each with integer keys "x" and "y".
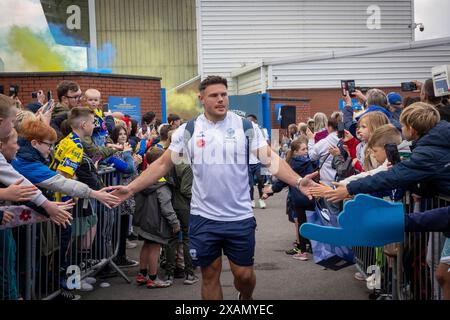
{"x": 49, "y": 95}
{"x": 341, "y": 128}
{"x": 409, "y": 86}
{"x": 13, "y": 90}
{"x": 348, "y": 87}
{"x": 392, "y": 153}
{"x": 2, "y": 90}
{"x": 49, "y": 105}
{"x": 105, "y": 107}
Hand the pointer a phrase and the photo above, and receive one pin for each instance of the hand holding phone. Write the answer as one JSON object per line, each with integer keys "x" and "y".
{"x": 341, "y": 130}
{"x": 408, "y": 86}
{"x": 50, "y": 104}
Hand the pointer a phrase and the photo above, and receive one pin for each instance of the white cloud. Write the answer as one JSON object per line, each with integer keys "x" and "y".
{"x": 24, "y": 13}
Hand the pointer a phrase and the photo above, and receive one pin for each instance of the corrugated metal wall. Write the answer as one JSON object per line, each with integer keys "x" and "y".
{"x": 234, "y": 33}
{"x": 386, "y": 69}
{"x": 250, "y": 82}
{"x": 151, "y": 37}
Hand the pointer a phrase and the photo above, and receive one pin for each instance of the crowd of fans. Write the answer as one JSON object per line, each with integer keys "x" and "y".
{"x": 51, "y": 154}
{"x": 350, "y": 151}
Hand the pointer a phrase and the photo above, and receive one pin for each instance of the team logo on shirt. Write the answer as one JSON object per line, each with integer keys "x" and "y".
{"x": 230, "y": 134}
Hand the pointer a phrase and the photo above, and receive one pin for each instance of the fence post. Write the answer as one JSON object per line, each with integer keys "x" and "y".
{"x": 28, "y": 267}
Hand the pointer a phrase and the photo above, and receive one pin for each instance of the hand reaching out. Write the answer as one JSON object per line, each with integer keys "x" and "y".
{"x": 176, "y": 228}
{"x": 307, "y": 183}
{"x": 122, "y": 193}
{"x": 320, "y": 190}
{"x": 17, "y": 192}
{"x": 7, "y": 217}
{"x": 108, "y": 199}
{"x": 338, "y": 194}
{"x": 309, "y": 134}
{"x": 334, "y": 151}
{"x": 127, "y": 147}
{"x": 137, "y": 159}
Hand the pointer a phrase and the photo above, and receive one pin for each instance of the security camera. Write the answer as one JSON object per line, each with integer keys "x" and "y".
{"x": 420, "y": 25}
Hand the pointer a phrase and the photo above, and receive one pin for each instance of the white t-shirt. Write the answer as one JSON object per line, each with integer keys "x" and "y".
{"x": 220, "y": 190}
{"x": 253, "y": 158}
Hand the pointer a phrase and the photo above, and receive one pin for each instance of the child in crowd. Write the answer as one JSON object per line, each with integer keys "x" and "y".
{"x": 8, "y": 277}
{"x": 126, "y": 162}
{"x": 298, "y": 159}
{"x": 181, "y": 201}
{"x": 155, "y": 222}
{"x": 426, "y": 172}
{"x": 163, "y": 132}
{"x": 93, "y": 98}
{"x": 386, "y": 134}
{"x": 367, "y": 124}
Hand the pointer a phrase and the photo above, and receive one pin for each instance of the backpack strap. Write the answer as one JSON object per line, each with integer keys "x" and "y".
{"x": 246, "y": 125}
{"x": 187, "y": 136}
{"x": 249, "y": 135}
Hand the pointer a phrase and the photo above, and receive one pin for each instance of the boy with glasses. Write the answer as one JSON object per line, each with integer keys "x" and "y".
{"x": 69, "y": 95}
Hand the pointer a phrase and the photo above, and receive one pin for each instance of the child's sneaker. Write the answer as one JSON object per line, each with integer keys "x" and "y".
{"x": 191, "y": 279}
{"x": 170, "y": 279}
{"x": 141, "y": 279}
{"x": 157, "y": 283}
{"x": 253, "y": 204}
{"x": 262, "y": 204}
{"x": 293, "y": 251}
{"x": 303, "y": 256}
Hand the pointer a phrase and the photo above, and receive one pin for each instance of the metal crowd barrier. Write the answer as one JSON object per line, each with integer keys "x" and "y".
{"x": 407, "y": 269}
{"x": 35, "y": 258}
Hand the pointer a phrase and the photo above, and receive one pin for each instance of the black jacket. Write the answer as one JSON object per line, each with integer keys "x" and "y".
{"x": 428, "y": 167}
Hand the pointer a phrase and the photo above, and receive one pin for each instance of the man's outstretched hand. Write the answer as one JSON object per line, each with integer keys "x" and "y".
{"x": 307, "y": 183}
{"x": 122, "y": 193}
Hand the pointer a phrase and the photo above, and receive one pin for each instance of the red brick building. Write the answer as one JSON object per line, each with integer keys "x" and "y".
{"x": 147, "y": 88}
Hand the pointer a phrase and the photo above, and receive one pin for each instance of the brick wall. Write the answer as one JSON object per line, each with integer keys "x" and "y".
{"x": 320, "y": 100}
{"x": 147, "y": 88}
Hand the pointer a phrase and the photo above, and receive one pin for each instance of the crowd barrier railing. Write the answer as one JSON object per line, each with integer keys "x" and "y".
{"x": 39, "y": 259}
{"x": 407, "y": 270}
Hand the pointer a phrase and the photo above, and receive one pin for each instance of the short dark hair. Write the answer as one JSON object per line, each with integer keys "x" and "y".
{"x": 409, "y": 101}
{"x": 333, "y": 123}
{"x": 210, "y": 80}
{"x": 153, "y": 154}
{"x": 429, "y": 93}
{"x": 64, "y": 87}
{"x": 164, "y": 132}
{"x": 148, "y": 117}
{"x": 252, "y": 116}
{"x": 134, "y": 128}
{"x": 173, "y": 117}
{"x": 77, "y": 114}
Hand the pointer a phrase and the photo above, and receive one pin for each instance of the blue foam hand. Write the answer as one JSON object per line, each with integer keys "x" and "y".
{"x": 365, "y": 221}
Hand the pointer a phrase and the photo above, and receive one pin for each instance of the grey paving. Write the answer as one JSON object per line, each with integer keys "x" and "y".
{"x": 279, "y": 277}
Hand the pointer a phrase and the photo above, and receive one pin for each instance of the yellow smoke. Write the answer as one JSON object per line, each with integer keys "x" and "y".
{"x": 185, "y": 105}
{"x": 36, "y": 52}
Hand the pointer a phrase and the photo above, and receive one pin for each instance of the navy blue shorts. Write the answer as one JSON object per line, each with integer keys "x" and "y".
{"x": 209, "y": 237}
